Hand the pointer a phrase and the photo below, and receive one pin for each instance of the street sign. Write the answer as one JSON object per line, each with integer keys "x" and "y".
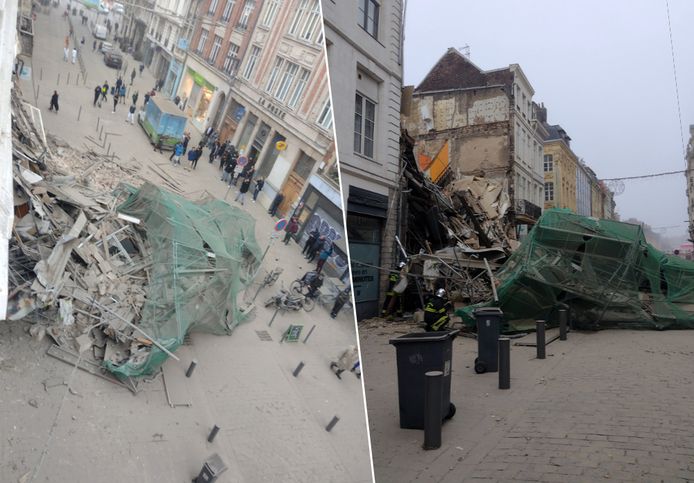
{"x": 281, "y": 145}
{"x": 242, "y": 161}
{"x": 293, "y": 333}
{"x": 279, "y": 226}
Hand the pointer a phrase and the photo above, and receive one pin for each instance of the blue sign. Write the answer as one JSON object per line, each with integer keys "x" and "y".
{"x": 182, "y": 44}
{"x": 279, "y": 226}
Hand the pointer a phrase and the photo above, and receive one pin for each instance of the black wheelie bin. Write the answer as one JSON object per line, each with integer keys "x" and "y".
{"x": 488, "y": 330}
{"x": 418, "y": 353}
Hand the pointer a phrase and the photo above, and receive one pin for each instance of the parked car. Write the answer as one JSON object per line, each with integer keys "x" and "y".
{"x": 100, "y": 32}
{"x": 106, "y": 47}
{"x": 113, "y": 59}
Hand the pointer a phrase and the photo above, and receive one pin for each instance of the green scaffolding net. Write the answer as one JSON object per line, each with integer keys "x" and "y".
{"x": 202, "y": 255}
{"x": 603, "y": 271}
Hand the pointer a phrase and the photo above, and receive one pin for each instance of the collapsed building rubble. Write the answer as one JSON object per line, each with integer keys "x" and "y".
{"x": 603, "y": 271}
{"x": 453, "y": 227}
{"x": 117, "y": 276}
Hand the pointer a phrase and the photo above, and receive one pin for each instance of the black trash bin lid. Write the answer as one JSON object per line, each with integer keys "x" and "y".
{"x": 488, "y": 311}
{"x": 424, "y": 337}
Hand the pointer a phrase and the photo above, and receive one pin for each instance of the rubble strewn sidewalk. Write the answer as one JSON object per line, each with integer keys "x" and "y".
{"x": 118, "y": 275}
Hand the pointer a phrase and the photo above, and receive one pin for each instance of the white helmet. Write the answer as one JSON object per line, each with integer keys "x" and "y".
{"x": 441, "y": 293}
{"x": 402, "y": 264}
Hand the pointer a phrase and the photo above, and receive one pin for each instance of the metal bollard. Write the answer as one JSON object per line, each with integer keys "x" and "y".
{"x": 298, "y": 369}
{"x": 191, "y": 368}
{"x": 273, "y": 317}
{"x": 213, "y": 433}
{"x": 309, "y": 333}
{"x": 79, "y": 113}
{"x": 504, "y": 363}
{"x": 332, "y": 423}
{"x": 540, "y": 327}
{"x": 67, "y": 83}
{"x": 433, "y": 413}
{"x": 57, "y": 82}
{"x": 563, "y": 319}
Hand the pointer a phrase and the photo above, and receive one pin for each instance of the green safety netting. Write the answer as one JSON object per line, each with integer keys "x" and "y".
{"x": 203, "y": 254}
{"x": 603, "y": 271}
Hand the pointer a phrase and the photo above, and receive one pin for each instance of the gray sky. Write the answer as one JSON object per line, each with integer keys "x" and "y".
{"x": 602, "y": 68}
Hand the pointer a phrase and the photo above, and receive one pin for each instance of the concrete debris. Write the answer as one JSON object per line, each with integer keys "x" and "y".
{"x": 454, "y": 226}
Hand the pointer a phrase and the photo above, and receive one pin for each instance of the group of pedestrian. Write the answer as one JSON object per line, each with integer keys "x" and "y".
{"x": 317, "y": 245}
{"x": 67, "y": 51}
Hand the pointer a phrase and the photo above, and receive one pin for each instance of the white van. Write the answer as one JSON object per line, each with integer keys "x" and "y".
{"x": 100, "y": 32}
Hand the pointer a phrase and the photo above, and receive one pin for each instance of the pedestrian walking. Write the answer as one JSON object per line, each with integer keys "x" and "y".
{"x": 340, "y": 301}
{"x": 132, "y": 76}
{"x": 135, "y": 97}
{"x": 94, "y": 46}
{"x": 229, "y": 167}
{"x": 54, "y": 102}
{"x": 115, "y": 102}
{"x": 194, "y": 156}
{"x": 74, "y": 55}
{"x": 177, "y": 153}
{"x": 213, "y": 151}
{"x": 104, "y": 91}
{"x": 348, "y": 361}
{"x": 243, "y": 190}
{"x": 119, "y": 82}
{"x": 142, "y": 67}
{"x": 259, "y": 183}
{"x": 326, "y": 251}
{"x": 146, "y": 98}
{"x": 97, "y": 94}
{"x": 312, "y": 237}
{"x": 274, "y": 206}
{"x": 131, "y": 114}
{"x": 66, "y": 53}
{"x": 121, "y": 93}
{"x": 291, "y": 229}
{"x": 186, "y": 140}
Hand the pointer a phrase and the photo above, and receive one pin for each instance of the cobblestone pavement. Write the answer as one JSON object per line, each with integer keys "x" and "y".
{"x": 604, "y": 406}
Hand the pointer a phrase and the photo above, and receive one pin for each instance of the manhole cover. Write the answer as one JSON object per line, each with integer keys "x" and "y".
{"x": 264, "y": 335}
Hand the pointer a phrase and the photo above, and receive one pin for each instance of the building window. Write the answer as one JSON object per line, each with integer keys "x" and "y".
{"x": 216, "y": 47}
{"x": 213, "y": 7}
{"x": 364, "y": 122}
{"x": 368, "y": 16}
{"x": 228, "y": 7}
{"x": 252, "y": 61}
{"x": 299, "y": 88}
{"x": 273, "y": 7}
{"x": 325, "y": 120}
{"x": 246, "y": 14}
{"x": 298, "y": 17}
{"x": 549, "y": 191}
{"x": 202, "y": 41}
{"x": 312, "y": 22}
{"x": 549, "y": 163}
{"x": 287, "y": 78}
{"x": 304, "y": 166}
{"x": 274, "y": 73}
{"x": 231, "y": 61}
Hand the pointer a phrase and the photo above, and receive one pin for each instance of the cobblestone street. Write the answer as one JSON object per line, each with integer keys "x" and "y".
{"x": 604, "y": 406}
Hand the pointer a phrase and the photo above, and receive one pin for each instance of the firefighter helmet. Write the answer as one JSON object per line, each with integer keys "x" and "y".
{"x": 441, "y": 293}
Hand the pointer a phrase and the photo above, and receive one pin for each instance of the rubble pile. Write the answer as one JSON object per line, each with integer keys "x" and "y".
{"x": 455, "y": 228}
{"x": 117, "y": 276}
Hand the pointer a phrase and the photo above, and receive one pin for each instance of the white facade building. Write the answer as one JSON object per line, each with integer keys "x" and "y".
{"x": 364, "y": 42}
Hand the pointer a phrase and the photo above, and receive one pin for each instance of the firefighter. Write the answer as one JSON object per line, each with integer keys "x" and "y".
{"x": 393, "y": 296}
{"x": 436, "y": 312}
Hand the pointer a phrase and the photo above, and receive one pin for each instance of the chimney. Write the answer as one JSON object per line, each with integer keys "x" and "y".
{"x": 541, "y": 112}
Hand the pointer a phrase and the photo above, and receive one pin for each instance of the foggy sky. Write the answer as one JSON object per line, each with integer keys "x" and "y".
{"x": 602, "y": 68}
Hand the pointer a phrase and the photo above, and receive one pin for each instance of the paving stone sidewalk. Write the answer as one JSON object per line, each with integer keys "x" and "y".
{"x": 605, "y": 406}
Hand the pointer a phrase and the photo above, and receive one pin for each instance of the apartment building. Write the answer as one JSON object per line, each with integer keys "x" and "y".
{"x": 364, "y": 44}
{"x": 486, "y": 122}
{"x": 689, "y": 176}
{"x": 219, "y": 41}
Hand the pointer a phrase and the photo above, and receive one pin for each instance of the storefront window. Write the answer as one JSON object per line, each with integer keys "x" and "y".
{"x": 204, "y": 104}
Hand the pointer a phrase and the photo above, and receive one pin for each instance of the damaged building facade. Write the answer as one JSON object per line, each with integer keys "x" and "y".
{"x": 469, "y": 122}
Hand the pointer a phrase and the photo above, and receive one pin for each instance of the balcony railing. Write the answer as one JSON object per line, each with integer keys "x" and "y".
{"x": 527, "y": 209}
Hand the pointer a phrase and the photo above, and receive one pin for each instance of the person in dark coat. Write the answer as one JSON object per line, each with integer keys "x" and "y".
{"x": 312, "y": 237}
{"x": 213, "y": 151}
{"x": 291, "y": 229}
{"x": 132, "y": 76}
{"x": 340, "y": 301}
{"x": 229, "y": 168}
{"x": 245, "y": 184}
{"x": 194, "y": 156}
{"x": 315, "y": 248}
{"x": 97, "y": 94}
{"x": 54, "y": 101}
{"x": 136, "y": 97}
{"x": 259, "y": 183}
